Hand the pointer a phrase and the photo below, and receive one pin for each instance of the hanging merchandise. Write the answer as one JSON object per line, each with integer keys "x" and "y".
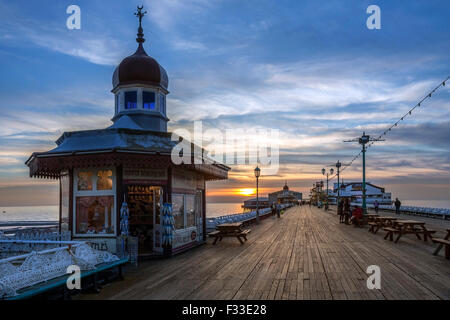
{"x": 124, "y": 227}
{"x": 168, "y": 223}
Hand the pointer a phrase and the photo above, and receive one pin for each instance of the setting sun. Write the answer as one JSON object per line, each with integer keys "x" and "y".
{"x": 246, "y": 191}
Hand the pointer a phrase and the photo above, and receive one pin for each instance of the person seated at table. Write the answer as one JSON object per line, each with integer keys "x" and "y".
{"x": 357, "y": 216}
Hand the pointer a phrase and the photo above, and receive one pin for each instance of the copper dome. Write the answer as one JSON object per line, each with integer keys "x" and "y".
{"x": 140, "y": 68}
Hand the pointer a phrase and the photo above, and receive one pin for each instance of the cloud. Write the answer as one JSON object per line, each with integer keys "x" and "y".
{"x": 306, "y": 89}
{"x": 99, "y": 50}
{"x": 180, "y": 44}
{"x": 96, "y": 45}
{"x": 168, "y": 13}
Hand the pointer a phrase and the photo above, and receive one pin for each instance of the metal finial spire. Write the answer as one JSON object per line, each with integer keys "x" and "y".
{"x": 140, "y": 39}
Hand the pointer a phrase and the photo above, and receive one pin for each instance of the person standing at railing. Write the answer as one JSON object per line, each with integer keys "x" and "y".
{"x": 397, "y": 206}
{"x": 376, "y": 205}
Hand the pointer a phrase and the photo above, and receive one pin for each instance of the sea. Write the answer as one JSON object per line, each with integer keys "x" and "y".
{"x": 50, "y": 213}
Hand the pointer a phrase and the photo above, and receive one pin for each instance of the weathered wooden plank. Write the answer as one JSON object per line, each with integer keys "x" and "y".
{"x": 306, "y": 254}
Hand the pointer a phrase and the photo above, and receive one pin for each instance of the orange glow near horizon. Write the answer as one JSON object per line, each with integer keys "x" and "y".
{"x": 238, "y": 192}
{"x": 246, "y": 191}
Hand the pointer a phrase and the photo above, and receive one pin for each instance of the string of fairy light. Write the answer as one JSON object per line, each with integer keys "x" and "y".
{"x": 389, "y": 129}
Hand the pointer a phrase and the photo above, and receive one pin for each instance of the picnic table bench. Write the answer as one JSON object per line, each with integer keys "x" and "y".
{"x": 402, "y": 227}
{"x": 445, "y": 241}
{"x": 229, "y": 230}
{"x": 380, "y": 222}
{"x": 61, "y": 282}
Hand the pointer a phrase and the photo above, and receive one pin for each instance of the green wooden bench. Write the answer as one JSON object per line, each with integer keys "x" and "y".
{"x": 60, "y": 282}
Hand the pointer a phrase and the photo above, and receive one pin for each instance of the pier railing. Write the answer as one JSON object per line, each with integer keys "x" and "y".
{"x": 441, "y": 213}
{"x": 211, "y": 223}
{"x": 36, "y": 234}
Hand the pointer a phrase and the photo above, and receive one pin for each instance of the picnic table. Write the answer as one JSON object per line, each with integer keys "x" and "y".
{"x": 403, "y": 227}
{"x": 443, "y": 242}
{"x": 381, "y": 222}
{"x": 371, "y": 216}
{"x": 229, "y": 230}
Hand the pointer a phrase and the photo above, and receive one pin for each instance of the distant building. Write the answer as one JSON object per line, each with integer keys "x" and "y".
{"x": 285, "y": 196}
{"x": 250, "y": 204}
{"x": 353, "y": 190}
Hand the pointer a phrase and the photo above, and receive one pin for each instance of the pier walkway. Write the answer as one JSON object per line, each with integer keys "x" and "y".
{"x": 306, "y": 254}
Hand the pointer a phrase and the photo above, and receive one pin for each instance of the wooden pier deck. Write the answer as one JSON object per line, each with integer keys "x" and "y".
{"x": 306, "y": 254}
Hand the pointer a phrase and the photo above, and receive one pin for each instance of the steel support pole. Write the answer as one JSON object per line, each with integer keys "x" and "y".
{"x": 338, "y": 196}
{"x": 257, "y": 201}
{"x": 364, "y": 179}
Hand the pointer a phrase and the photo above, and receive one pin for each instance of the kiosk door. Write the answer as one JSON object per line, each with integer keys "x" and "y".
{"x": 199, "y": 213}
{"x": 145, "y": 203}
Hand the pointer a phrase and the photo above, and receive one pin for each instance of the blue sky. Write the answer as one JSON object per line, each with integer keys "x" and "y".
{"x": 309, "y": 68}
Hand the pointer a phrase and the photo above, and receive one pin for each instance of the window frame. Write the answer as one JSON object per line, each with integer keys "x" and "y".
{"x": 162, "y": 103}
{"x": 186, "y": 211}
{"x": 185, "y": 226}
{"x": 155, "y": 94}
{"x": 125, "y": 99}
{"x": 94, "y": 193}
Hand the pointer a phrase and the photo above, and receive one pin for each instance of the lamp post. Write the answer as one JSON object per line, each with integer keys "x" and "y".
{"x": 257, "y": 174}
{"x": 338, "y": 166}
{"x": 314, "y": 192}
{"x": 363, "y": 140}
{"x": 330, "y": 173}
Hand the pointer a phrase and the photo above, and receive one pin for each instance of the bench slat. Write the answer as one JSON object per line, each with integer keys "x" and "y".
{"x": 443, "y": 241}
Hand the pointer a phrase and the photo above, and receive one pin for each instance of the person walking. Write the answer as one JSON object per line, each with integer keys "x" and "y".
{"x": 341, "y": 210}
{"x": 278, "y": 211}
{"x": 397, "y": 206}
{"x": 376, "y": 205}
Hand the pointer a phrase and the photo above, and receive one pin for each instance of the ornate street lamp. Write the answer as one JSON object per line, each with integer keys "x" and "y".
{"x": 363, "y": 140}
{"x": 257, "y": 174}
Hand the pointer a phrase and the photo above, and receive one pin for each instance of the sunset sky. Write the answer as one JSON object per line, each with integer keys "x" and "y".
{"x": 311, "y": 69}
